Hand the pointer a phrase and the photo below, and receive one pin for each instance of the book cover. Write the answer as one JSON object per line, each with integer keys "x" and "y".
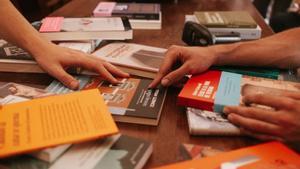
{"x": 115, "y": 152}
{"x": 271, "y": 155}
{"x": 227, "y": 19}
{"x": 144, "y": 11}
{"x": 88, "y": 28}
{"x": 195, "y": 151}
{"x": 212, "y": 90}
{"x": 131, "y": 101}
{"x": 46, "y": 122}
{"x": 245, "y": 33}
{"x": 202, "y": 122}
{"x": 15, "y": 59}
{"x": 140, "y": 60}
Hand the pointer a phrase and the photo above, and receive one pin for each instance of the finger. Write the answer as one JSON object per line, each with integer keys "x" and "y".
{"x": 254, "y": 125}
{"x": 170, "y": 58}
{"x": 277, "y": 102}
{"x": 175, "y": 75}
{"x": 254, "y": 113}
{"x": 60, "y": 74}
{"x": 293, "y": 95}
{"x": 259, "y": 135}
{"x": 114, "y": 70}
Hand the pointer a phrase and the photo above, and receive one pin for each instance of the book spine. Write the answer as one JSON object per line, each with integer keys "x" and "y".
{"x": 141, "y": 16}
{"x": 126, "y": 23}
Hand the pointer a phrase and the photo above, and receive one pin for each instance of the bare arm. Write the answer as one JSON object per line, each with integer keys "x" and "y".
{"x": 52, "y": 58}
{"x": 281, "y": 50}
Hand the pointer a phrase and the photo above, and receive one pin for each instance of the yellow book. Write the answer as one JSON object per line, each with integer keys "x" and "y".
{"x": 51, "y": 121}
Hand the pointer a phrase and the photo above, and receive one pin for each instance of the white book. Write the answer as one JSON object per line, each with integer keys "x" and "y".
{"x": 88, "y": 28}
{"x": 246, "y": 33}
{"x": 203, "y": 122}
{"x": 140, "y": 60}
{"x": 146, "y": 24}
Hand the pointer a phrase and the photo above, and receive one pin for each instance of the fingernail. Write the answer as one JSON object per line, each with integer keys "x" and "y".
{"x": 165, "y": 82}
{"x": 74, "y": 85}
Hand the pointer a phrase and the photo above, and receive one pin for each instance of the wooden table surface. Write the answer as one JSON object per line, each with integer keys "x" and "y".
{"x": 173, "y": 128}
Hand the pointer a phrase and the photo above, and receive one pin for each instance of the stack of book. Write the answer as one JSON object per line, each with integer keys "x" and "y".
{"x": 141, "y": 15}
{"x": 117, "y": 151}
{"x": 220, "y": 22}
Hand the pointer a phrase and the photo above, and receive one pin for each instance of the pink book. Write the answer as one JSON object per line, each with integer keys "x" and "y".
{"x": 104, "y": 9}
{"x": 51, "y": 24}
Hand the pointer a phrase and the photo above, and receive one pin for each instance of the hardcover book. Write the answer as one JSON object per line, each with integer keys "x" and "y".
{"x": 271, "y": 155}
{"x": 88, "y": 28}
{"x": 15, "y": 59}
{"x": 202, "y": 122}
{"x": 131, "y": 101}
{"x": 212, "y": 90}
{"x": 115, "y": 152}
{"x": 140, "y": 60}
{"x": 144, "y": 11}
{"x": 225, "y": 19}
{"x": 46, "y": 122}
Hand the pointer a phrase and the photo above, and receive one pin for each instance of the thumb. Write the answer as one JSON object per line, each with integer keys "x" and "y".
{"x": 60, "y": 74}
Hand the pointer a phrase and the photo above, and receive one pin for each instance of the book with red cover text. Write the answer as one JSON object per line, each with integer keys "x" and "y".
{"x": 212, "y": 90}
{"x": 273, "y": 155}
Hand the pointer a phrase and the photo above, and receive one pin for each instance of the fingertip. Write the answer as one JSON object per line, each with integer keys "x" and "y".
{"x": 165, "y": 82}
{"x": 74, "y": 85}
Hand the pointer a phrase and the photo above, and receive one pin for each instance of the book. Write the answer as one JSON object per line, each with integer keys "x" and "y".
{"x": 144, "y": 11}
{"x": 130, "y": 102}
{"x": 270, "y": 155}
{"x": 50, "y": 121}
{"x": 225, "y": 19}
{"x": 88, "y": 28}
{"x": 15, "y": 59}
{"x": 154, "y": 24}
{"x": 245, "y": 33}
{"x": 14, "y": 93}
{"x": 136, "y": 59}
{"x": 195, "y": 151}
{"x": 212, "y": 90}
{"x": 114, "y": 152}
{"x": 202, "y": 122}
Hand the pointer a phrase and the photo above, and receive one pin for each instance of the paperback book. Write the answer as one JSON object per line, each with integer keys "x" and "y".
{"x": 131, "y": 101}
{"x": 195, "y": 151}
{"x": 271, "y": 155}
{"x": 88, "y": 28}
{"x": 202, "y": 122}
{"x": 212, "y": 90}
{"x": 50, "y": 121}
{"x": 140, "y": 60}
{"x": 115, "y": 152}
{"x": 141, "y": 15}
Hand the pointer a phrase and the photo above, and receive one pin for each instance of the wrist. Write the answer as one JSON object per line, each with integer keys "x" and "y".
{"x": 222, "y": 53}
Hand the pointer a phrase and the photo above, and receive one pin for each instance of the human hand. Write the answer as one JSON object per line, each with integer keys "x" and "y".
{"x": 282, "y": 122}
{"x": 55, "y": 59}
{"x": 193, "y": 60}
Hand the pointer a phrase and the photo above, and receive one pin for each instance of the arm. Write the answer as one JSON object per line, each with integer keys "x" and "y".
{"x": 52, "y": 58}
{"x": 281, "y": 50}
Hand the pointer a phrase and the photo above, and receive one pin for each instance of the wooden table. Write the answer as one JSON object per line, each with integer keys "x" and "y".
{"x": 173, "y": 128}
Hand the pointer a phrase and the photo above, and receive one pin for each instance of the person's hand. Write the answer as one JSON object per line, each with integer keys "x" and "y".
{"x": 193, "y": 60}
{"x": 282, "y": 122}
{"x": 55, "y": 60}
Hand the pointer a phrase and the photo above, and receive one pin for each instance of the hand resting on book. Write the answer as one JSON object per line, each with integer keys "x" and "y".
{"x": 280, "y": 123}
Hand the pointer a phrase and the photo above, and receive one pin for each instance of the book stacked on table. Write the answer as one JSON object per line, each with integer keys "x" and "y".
{"x": 219, "y": 22}
{"x": 141, "y": 15}
{"x": 117, "y": 151}
{"x": 206, "y": 94}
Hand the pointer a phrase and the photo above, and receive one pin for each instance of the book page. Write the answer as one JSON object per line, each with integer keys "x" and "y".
{"x": 55, "y": 120}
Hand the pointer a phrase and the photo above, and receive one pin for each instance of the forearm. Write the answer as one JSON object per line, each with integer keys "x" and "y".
{"x": 15, "y": 29}
{"x": 281, "y": 50}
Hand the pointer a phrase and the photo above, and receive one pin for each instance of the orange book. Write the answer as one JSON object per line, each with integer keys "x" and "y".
{"x": 273, "y": 155}
{"x": 55, "y": 120}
